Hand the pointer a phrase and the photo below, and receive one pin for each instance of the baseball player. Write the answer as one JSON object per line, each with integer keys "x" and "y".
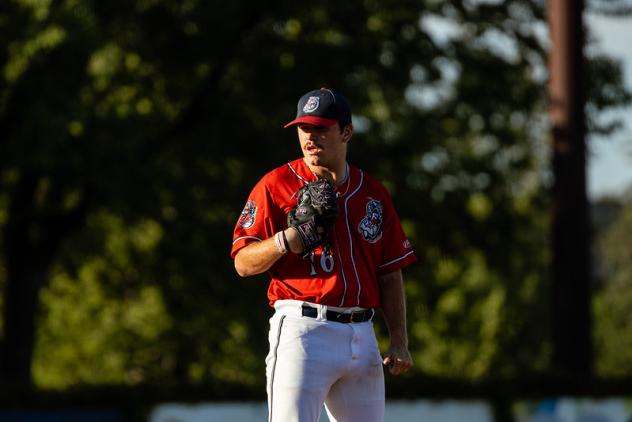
{"x": 330, "y": 238}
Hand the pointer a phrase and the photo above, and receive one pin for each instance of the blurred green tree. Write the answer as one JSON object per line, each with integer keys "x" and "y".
{"x": 131, "y": 131}
{"x": 612, "y": 302}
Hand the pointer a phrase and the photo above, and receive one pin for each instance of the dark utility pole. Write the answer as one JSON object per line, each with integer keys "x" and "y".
{"x": 570, "y": 226}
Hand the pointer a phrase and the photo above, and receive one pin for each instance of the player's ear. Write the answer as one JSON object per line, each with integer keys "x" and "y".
{"x": 347, "y": 132}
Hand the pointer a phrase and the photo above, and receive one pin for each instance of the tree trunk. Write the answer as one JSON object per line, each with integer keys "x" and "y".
{"x": 31, "y": 241}
{"x": 572, "y": 355}
{"x": 22, "y": 286}
{"x": 21, "y": 302}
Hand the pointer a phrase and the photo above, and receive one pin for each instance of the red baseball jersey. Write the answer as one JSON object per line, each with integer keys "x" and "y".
{"x": 366, "y": 242}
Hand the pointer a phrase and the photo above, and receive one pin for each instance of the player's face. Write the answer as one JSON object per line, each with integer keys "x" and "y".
{"x": 323, "y": 145}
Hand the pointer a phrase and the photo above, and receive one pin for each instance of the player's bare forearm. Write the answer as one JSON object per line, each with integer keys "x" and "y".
{"x": 393, "y": 299}
{"x": 259, "y": 257}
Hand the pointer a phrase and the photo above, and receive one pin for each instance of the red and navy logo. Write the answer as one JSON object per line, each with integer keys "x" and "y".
{"x": 247, "y": 218}
{"x": 371, "y": 225}
{"x": 311, "y": 104}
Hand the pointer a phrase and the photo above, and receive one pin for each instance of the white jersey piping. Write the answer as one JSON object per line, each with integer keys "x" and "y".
{"x": 395, "y": 260}
{"x": 342, "y": 272}
{"x": 355, "y": 270}
{"x": 296, "y": 173}
{"x": 246, "y": 237}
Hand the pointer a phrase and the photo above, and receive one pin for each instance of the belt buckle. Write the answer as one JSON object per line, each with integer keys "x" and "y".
{"x": 351, "y": 319}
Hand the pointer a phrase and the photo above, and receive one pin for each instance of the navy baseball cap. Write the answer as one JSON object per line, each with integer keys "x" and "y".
{"x": 322, "y": 107}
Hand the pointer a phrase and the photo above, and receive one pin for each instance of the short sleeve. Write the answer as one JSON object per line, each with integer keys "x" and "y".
{"x": 257, "y": 219}
{"x": 397, "y": 251}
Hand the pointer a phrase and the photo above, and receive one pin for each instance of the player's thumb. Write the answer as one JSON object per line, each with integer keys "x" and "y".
{"x": 387, "y": 359}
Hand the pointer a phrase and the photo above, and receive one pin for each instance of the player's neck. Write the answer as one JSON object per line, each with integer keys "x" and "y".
{"x": 337, "y": 175}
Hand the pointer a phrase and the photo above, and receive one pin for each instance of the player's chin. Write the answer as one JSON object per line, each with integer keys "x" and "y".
{"x": 314, "y": 159}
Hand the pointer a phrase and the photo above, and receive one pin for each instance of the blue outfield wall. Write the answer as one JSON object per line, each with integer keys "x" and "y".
{"x": 61, "y": 416}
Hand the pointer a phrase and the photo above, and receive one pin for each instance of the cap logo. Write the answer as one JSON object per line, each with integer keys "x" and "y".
{"x": 311, "y": 104}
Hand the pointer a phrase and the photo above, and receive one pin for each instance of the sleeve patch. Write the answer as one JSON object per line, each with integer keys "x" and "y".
{"x": 248, "y": 215}
{"x": 371, "y": 225}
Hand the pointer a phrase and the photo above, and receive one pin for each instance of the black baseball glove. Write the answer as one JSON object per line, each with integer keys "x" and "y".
{"x": 314, "y": 214}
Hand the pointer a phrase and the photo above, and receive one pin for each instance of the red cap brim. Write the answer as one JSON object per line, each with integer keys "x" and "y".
{"x": 312, "y": 120}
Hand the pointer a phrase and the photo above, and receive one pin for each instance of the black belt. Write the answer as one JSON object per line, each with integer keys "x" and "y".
{"x": 346, "y": 317}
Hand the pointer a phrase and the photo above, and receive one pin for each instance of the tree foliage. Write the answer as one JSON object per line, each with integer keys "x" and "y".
{"x": 613, "y": 298}
{"x": 132, "y": 131}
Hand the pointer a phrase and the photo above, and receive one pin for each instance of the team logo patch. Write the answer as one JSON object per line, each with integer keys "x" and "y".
{"x": 311, "y": 104}
{"x": 371, "y": 225}
{"x": 247, "y": 218}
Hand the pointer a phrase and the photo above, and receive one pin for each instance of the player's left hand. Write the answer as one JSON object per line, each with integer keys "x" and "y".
{"x": 315, "y": 213}
{"x": 398, "y": 360}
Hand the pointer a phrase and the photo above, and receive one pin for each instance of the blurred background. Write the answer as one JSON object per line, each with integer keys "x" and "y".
{"x": 131, "y": 133}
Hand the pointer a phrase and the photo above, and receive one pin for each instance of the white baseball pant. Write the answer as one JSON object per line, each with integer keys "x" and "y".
{"x": 313, "y": 361}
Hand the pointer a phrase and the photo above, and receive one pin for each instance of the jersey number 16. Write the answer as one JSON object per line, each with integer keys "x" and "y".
{"x": 326, "y": 262}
